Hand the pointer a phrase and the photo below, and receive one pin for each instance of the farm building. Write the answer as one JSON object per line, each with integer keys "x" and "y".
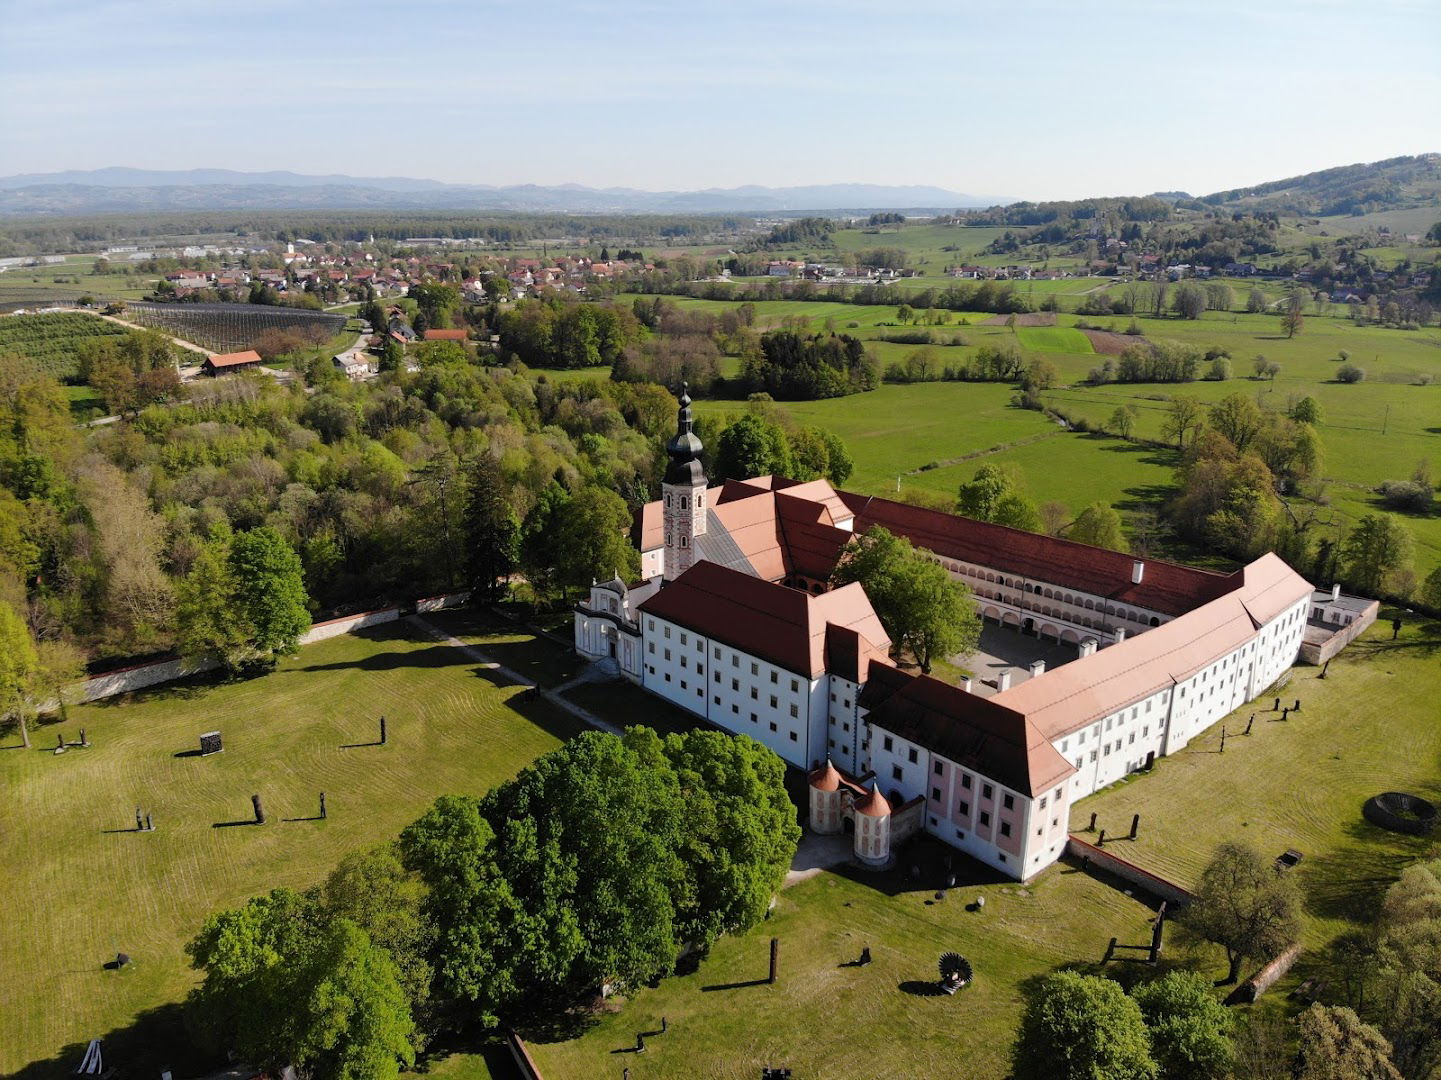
{"x": 735, "y": 621}
{"x": 225, "y": 363}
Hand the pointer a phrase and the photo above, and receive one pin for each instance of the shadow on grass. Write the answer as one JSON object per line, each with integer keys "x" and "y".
{"x": 1349, "y": 883}
{"x": 156, "y": 1040}
{"x": 927, "y": 857}
{"x": 734, "y": 985}
{"x": 432, "y": 656}
{"x": 918, "y": 988}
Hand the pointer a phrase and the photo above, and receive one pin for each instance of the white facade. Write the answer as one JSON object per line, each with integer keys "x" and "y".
{"x": 784, "y": 710}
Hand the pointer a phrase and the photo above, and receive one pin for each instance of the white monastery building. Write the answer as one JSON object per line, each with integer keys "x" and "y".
{"x": 735, "y": 621}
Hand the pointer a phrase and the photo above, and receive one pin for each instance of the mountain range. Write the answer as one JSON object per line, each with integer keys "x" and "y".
{"x": 124, "y": 189}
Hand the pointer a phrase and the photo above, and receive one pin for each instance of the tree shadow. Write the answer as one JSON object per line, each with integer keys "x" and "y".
{"x": 233, "y": 824}
{"x": 156, "y": 1040}
{"x": 1349, "y": 882}
{"x": 437, "y": 655}
{"x": 713, "y": 987}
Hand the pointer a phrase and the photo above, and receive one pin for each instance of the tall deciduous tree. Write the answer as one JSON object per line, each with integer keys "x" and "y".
{"x": 492, "y": 530}
{"x": 923, "y": 609}
{"x": 1242, "y": 904}
{"x": 1377, "y": 554}
{"x": 1079, "y": 1027}
{"x": 1184, "y": 420}
{"x": 751, "y": 446}
{"x": 594, "y": 539}
{"x": 286, "y": 985}
{"x": 1099, "y": 525}
{"x": 1335, "y": 1043}
{"x": 994, "y": 494}
{"x": 243, "y": 603}
{"x": 1190, "y": 1030}
{"x": 19, "y": 669}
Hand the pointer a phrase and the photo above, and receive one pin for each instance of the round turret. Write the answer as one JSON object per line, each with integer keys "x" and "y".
{"x": 873, "y": 829}
{"x": 825, "y": 799}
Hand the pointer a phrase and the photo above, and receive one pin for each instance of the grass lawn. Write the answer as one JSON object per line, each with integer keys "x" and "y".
{"x": 826, "y": 1018}
{"x": 1370, "y": 726}
{"x": 79, "y": 885}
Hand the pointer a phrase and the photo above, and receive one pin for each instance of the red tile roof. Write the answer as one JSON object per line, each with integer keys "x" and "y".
{"x": 225, "y": 360}
{"x": 974, "y": 732}
{"x": 445, "y": 335}
{"x": 781, "y": 625}
{"x": 1165, "y": 587}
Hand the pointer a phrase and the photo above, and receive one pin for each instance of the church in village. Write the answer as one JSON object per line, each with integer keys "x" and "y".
{"x": 735, "y": 620}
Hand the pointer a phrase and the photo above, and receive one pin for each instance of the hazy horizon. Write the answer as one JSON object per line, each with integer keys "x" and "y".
{"x": 1045, "y": 100}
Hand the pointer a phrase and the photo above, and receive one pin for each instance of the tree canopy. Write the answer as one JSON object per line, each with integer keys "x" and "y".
{"x": 994, "y": 494}
{"x": 1080, "y": 1027}
{"x": 1243, "y": 905}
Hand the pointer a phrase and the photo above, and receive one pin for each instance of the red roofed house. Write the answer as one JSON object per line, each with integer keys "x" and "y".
{"x": 226, "y": 363}
{"x": 736, "y": 622}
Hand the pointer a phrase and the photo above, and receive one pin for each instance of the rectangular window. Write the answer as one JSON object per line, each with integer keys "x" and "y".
{"x": 966, "y": 780}
{"x": 1058, "y": 794}
{"x": 846, "y": 704}
{"x": 937, "y": 769}
{"x": 650, "y": 647}
{"x": 795, "y": 712}
{"x": 1008, "y": 801}
{"x": 1005, "y": 828}
{"x": 717, "y": 652}
{"x": 985, "y": 818}
{"x": 775, "y": 676}
{"x": 667, "y": 654}
{"x": 987, "y": 791}
{"x": 773, "y": 701}
{"x": 753, "y": 718}
{"x": 773, "y": 726}
{"x": 963, "y": 808}
{"x": 886, "y": 742}
{"x": 1043, "y": 802}
{"x": 795, "y": 737}
{"x": 832, "y": 743}
{"x": 755, "y": 668}
{"x": 650, "y": 625}
{"x": 735, "y": 660}
{"x": 683, "y": 685}
{"x": 685, "y": 661}
{"x": 735, "y": 710}
{"x": 717, "y": 676}
{"x": 911, "y": 753}
{"x": 684, "y": 640}
{"x": 716, "y": 699}
{"x": 735, "y": 684}
{"x": 667, "y": 676}
{"x": 795, "y": 686}
{"x": 667, "y": 631}
{"x": 755, "y": 694}
{"x": 960, "y": 835}
{"x": 1093, "y": 755}
{"x": 896, "y": 773}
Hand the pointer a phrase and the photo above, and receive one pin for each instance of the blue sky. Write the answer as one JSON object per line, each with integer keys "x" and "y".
{"x": 1026, "y": 99}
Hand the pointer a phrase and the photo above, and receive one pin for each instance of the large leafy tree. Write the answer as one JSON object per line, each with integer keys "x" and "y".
{"x": 587, "y": 839}
{"x": 469, "y": 906}
{"x": 492, "y": 530}
{"x": 244, "y": 602}
{"x": 921, "y": 606}
{"x": 593, "y": 539}
{"x": 1190, "y": 1030}
{"x": 1080, "y": 1027}
{"x": 739, "y": 834}
{"x": 751, "y": 446}
{"x": 19, "y": 669}
{"x": 1377, "y": 553}
{"x": 287, "y": 985}
{"x": 994, "y": 494}
{"x": 1100, "y": 525}
{"x": 1335, "y": 1043}
{"x": 1242, "y": 904}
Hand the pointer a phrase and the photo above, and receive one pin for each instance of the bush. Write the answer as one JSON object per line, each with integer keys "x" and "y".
{"x": 1350, "y": 373}
{"x": 1408, "y": 496}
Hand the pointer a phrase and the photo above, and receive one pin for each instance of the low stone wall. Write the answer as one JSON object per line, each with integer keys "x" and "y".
{"x": 1169, "y": 891}
{"x": 1264, "y": 979}
{"x": 529, "y": 1070}
{"x": 124, "y": 680}
{"x": 1319, "y": 652}
{"x": 348, "y": 624}
{"x": 141, "y": 676}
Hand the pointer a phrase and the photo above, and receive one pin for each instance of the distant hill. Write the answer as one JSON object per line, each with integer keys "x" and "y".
{"x": 1394, "y": 184}
{"x": 131, "y": 190}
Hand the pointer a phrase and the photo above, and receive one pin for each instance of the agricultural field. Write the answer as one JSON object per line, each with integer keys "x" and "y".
{"x": 49, "y": 341}
{"x": 67, "y": 282}
{"x": 91, "y": 887}
{"x": 1371, "y": 431}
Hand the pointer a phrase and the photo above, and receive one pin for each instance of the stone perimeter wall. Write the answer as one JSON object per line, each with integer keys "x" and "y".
{"x": 1169, "y": 891}
{"x": 141, "y": 676}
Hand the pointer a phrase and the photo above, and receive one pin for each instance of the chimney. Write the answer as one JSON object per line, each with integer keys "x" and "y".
{"x": 1336, "y": 592}
{"x": 1003, "y": 679}
{"x": 1120, "y": 632}
{"x": 1038, "y": 667}
{"x": 966, "y": 683}
{"x": 1087, "y": 647}
{"x": 1138, "y": 570}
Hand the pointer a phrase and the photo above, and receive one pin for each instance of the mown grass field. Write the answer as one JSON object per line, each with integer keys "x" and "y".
{"x": 80, "y": 884}
{"x": 1370, "y": 726}
{"x": 824, "y": 1017}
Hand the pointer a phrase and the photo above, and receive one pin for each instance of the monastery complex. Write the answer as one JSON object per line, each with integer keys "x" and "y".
{"x": 735, "y": 621}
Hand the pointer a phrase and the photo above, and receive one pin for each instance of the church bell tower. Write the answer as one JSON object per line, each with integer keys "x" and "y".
{"x": 683, "y": 494}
